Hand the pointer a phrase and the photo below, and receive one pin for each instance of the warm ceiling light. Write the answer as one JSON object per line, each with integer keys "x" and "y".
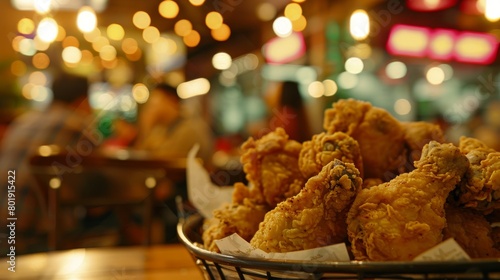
{"x": 47, "y": 30}
{"x": 115, "y": 32}
{"x": 45, "y": 6}
{"x": 293, "y": 11}
{"x": 299, "y": 24}
{"x": 61, "y": 33}
{"x": 354, "y": 65}
{"x": 282, "y": 27}
{"x": 492, "y": 10}
{"x": 213, "y": 20}
{"x": 359, "y": 25}
{"x": 194, "y": 87}
{"x": 331, "y": 87}
{"x": 316, "y": 89}
{"x": 196, "y": 2}
{"x": 18, "y": 68}
{"x": 150, "y": 34}
{"x": 266, "y": 11}
{"x": 141, "y": 19}
{"x": 129, "y": 45}
{"x": 396, "y": 70}
{"x": 168, "y": 9}
{"x": 86, "y": 19}
{"x": 26, "y": 26}
{"x": 70, "y": 41}
{"x": 71, "y": 55}
{"x": 92, "y": 35}
{"x": 222, "y": 33}
{"x": 140, "y": 93}
{"x": 435, "y": 75}
{"x": 108, "y": 53}
{"x": 40, "y": 45}
{"x": 192, "y": 39}
{"x": 222, "y": 61}
{"x": 183, "y": 27}
{"x": 99, "y": 43}
{"x": 42, "y": 6}
{"x": 41, "y": 60}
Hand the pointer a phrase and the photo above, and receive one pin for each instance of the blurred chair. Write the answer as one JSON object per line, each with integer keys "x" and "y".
{"x": 119, "y": 180}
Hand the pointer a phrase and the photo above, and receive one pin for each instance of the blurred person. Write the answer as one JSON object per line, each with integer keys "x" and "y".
{"x": 167, "y": 129}
{"x": 123, "y": 134}
{"x": 65, "y": 123}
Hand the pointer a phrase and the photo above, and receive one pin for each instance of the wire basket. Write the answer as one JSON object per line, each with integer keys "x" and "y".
{"x": 219, "y": 266}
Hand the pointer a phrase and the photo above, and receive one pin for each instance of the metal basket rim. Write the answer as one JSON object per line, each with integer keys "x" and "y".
{"x": 186, "y": 225}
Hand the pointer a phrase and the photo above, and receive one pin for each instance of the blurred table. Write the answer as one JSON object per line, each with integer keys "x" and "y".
{"x": 140, "y": 262}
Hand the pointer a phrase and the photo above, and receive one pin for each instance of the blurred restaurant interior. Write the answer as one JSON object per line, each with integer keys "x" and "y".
{"x": 432, "y": 60}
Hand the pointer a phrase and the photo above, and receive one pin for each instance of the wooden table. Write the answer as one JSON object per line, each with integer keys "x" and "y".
{"x": 141, "y": 262}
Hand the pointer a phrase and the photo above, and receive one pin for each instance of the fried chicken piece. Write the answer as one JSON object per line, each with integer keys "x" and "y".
{"x": 370, "y": 182}
{"x": 481, "y": 188}
{"x": 461, "y": 223}
{"x": 380, "y": 136}
{"x": 242, "y": 217}
{"x": 324, "y": 148}
{"x": 314, "y": 217}
{"x": 404, "y": 217}
{"x": 417, "y": 134}
{"x": 271, "y": 166}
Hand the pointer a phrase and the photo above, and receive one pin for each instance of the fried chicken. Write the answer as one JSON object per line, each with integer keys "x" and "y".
{"x": 404, "y": 217}
{"x": 417, "y": 134}
{"x": 324, "y": 148}
{"x": 271, "y": 166}
{"x": 380, "y": 136}
{"x": 461, "y": 223}
{"x": 481, "y": 188}
{"x": 314, "y": 217}
{"x": 242, "y": 216}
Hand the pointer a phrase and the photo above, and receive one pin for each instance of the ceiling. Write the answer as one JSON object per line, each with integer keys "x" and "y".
{"x": 247, "y": 30}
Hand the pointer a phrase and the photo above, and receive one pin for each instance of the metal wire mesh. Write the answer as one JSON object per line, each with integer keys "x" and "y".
{"x": 219, "y": 266}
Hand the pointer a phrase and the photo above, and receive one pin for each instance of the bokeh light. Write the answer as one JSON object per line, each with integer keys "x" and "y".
{"x": 395, "y": 70}
{"x": 71, "y": 55}
{"x": 354, "y": 65}
{"x": 293, "y": 11}
{"x": 402, "y": 107}
{"x": 141, "y": 19}
{"x": 435, "y": 75}
{"x": 86, "y": 19}
{"x": 26, "y": 26}
{"x": 213, "y": 20}
{"x": 151, "y": 34}
{"x": 222, "y": 33}
{"x": 221, "y": 61}
{"x": 282, "y": 27}
{"x": 266, "y": 11}
{"x": 183, "y": 27}
{"x": 192, "y": 39}
{"x": 115, "y": 32}
{"x": 40, "y": 61}
{"x": 47, "y": 30}
{"x": 316, "y": 89}
{"x": 330, "y": 86}
{"x": 168, "y": 9}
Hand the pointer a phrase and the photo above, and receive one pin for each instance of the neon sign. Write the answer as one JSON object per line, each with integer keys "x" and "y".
{"x": 442, "y": 44}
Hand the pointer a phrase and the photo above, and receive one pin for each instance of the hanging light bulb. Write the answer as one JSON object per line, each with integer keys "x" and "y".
{"x": 86, "y": 19}
{"x": 47, "y": 30}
